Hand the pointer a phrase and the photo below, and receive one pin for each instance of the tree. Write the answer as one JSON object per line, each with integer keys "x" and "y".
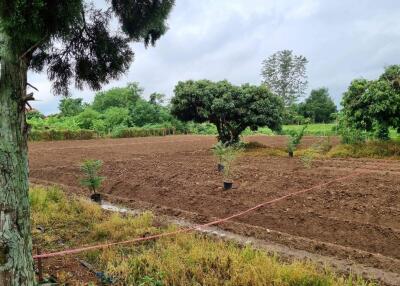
{"x": 144, "y": 112}
{"x": 285, "y": 75}
{"x": 70, "y": 106}
{"x": 230, "y": 108}
{"x": 86, "y": 118}
{"x": 291, "y": 115}
{"x": 319, "y": 106}
{"x": 116, "y": 116}
{"x": 374, "y": 106}
{"x": 117, "y": 97}
{"x": 157, "y": 98}
{"x": 74, "y": 41}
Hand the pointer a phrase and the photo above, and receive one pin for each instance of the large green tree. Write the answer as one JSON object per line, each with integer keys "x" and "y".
{"x": 123, "y": 97}
{"x": 319, "y": 106}
{"x": 70, "y": 106}
{"x": 374, "y": 105}
{"x": 285, "y": 75}
{"x": 74, "y": 42}
{"x": 230, "y": 108}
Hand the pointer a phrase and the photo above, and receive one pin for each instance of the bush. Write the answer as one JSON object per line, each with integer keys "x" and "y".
{"x": 141, "y": 132}
{"x": 352, "y": 136}
{"x": 205, "y": 128}
{"x": 52, "y": 135}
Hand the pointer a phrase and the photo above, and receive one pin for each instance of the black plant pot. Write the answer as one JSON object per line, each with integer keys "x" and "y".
{"x": 228, "y": 185}
{"x": 96, "y": 198}
{"x": 291, "y": 154}
{"x": 220, "y": 167}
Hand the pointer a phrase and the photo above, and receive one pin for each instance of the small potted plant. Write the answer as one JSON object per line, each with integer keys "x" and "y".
{"x": 228, "y": 157}
{"x": 294, "y": 140}
{"x": 91, "y": 179}
{"x": 218, "y": 151}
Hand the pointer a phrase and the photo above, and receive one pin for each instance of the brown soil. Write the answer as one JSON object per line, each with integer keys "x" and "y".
{"x": 358, "y": 218}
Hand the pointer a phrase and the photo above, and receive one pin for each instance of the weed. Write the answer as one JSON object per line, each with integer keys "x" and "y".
{"x": 307, "y": 159}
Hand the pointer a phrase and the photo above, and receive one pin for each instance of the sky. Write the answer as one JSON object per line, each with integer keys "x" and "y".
{"x": 229, "y": 39}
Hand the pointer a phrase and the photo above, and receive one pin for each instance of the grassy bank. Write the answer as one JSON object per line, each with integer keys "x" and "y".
{"x": 186, "y": 259}
{"x": 323, "y": 148}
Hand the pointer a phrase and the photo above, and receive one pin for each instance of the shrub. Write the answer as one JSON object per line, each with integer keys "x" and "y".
{"x": 141, "y": 132}
{"x": 352, "y": 136}
{"x": 52, "y": 135}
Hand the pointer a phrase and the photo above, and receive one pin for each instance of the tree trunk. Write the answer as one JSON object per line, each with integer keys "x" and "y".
{"x": 16, "y": 263}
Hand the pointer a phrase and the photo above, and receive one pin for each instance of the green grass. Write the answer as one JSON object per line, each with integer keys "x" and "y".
{"x": 369, "y": 149}
{"x": 185, "y": 259}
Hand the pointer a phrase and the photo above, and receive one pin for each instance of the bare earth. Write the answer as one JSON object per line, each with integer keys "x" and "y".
{"x": 356, "y": 219}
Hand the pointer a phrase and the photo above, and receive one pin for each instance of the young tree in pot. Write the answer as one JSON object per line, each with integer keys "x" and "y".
{"x": 228, "y": 157}
{"x": 218, "y": 151}
{"x": 91, "y": 179}
{"x": 76, "y": 42}
{"x": 294, "y": 140}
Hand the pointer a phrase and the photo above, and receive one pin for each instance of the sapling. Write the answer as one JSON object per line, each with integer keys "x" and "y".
{"x": 307, "y": 159}
{"x": 91, "y": 179}
{"x": 229, "y": 154}
{"x": 218, "y": 151}
{"x": 294, "y": 140}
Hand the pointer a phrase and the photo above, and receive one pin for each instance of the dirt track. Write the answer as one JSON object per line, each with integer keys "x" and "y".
{"x": 358, "y": 218}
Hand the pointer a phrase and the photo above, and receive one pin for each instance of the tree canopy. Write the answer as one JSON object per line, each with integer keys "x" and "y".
{"x": 230, "y": 108}
{"x": 285, "y": 75}
{"x": 319, "y": 106}
{"x": 70, "y": 106}
{"x": 74, "y": 40}
{"x": 117, "y": 97}
{"x": 374, "y": 105}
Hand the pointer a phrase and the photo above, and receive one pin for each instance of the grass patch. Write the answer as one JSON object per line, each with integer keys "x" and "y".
{"x": 185, "y": 259}
{"x": 369, "y": 149}
{"x": 325, "y": 149}
{"x": 254, "y": 148}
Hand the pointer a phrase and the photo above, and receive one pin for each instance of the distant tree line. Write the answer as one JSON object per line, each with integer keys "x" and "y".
{"x": 110, "y": 110}
{"x": 369, "y": 107}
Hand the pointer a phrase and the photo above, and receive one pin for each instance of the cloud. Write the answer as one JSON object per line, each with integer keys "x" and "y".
{"x": 228, "y": 39}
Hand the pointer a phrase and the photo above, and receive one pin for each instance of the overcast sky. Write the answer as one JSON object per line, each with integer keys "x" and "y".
{"x": 228, "y": 39}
